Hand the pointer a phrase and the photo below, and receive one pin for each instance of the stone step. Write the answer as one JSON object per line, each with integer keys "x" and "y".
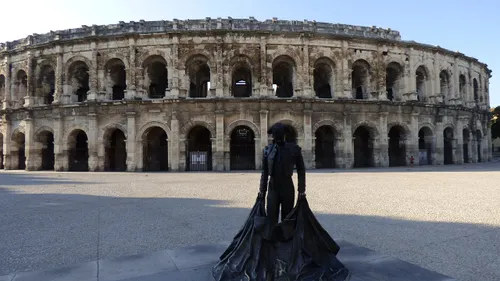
{"x": 194, "y": 263}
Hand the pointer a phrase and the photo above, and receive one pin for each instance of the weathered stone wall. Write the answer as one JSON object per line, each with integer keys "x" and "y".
{"x": 453, "y": 92}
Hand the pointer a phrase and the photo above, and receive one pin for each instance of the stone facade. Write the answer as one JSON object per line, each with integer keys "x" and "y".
{"x": 201, "y": 94}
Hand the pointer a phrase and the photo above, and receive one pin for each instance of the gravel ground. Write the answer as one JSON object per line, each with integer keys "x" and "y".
{"x": 442, "y": 218}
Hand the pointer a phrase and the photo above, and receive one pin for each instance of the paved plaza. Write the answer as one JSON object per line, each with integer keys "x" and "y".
{"x": 445, "y": 219}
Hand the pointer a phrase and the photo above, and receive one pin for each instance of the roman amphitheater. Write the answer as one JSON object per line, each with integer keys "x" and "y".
{"x": 190, "y": 95}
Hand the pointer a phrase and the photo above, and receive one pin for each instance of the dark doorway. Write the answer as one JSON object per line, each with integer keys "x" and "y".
{"x": 155, "y": 150}
{"x": 47, "y": 141}
{"x": 116, "y": 152}
{"x": 242, "y": 149}
{"x": 465, "y": 137}
{"x": 242, "y": 82}
{"x": 359, "y": 93}
{"x": 397, "y": 149}
{"x": 390, "y": 94}
{"x": 363, "y": 148}
{"x": 20, "y": 142}
{"x": 118, "y": 92}
{"x": 1, "y": 138}
{"x": 325, "y": 148}
{"x": 322, "y": 75}
{"x": 78, "y": 152}
{"x": 448, "y": 146}
{"x": 283, "y": 77}
{"x": 425, "y": 146}
{"x": 199, "y": 150}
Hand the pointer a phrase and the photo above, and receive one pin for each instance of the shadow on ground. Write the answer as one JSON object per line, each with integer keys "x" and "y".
{"x": 41, "y": 231}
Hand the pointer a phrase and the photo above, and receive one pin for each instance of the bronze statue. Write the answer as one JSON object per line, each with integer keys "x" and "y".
{"x": 278, "y": 162}
{"x": 297, "y": 248}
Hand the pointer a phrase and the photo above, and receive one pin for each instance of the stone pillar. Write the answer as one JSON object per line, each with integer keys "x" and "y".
{"x": 7, "y": 142}
{"x": 265, "y": 81}
{"x": 454, "y": 89}
{"x": 348, "y": 143}
{"x": 92, "y": 141}
{"x": 469, "y": 148}
{"x": 307, "y": 91}
{"x": 29, "y": 99}
{"x": 264, "y": 140}
{"x": 307, "y": 150}
{"x": 459, "y": 152}
{"x": 345, "y": 76}
{"x": 412, "y": 139}
{"x": 439, "y": 144}
{"x": 7, "y": 95}
{"x": 258, "y": 153}
{"x": 338, "y": 148}
{"x": 219, "y": 91}
{"x": 93, "y": 74}
{"x": 59, "y": 143}
{"x": 410, "y": 86}
{"x": 29, "y": 145}
{"x": 174, "y": 83}
{"x": 474, "y": 149}
{"x": 131, "y": 143}
{"x": 218, "y": 158}
{"x": 383, "y": 149}
{"x": 174, "y": 142}
{"x": 59, "y": 79}
{"x": 130, "y": 92}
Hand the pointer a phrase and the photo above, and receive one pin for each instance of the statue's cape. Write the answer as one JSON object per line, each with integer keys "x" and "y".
{"x": 296, "y": 249}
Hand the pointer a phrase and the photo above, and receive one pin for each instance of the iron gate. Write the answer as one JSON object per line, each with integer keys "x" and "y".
{"x": 198, "y": 161}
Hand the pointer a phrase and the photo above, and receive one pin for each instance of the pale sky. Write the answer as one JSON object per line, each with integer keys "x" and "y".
{"x": 471, "y": 27}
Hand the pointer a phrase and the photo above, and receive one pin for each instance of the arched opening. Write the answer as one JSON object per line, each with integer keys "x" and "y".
{"x": 156, "y": 77}
{"x": 2, "y": 87}
{"x": 46, "y": 84}
{"x": 155, "y": 150}
{"x": 242, "y": 149}
{"x": 21, "y": 86}
{"x": 78, "y": 151}
{"x": 466, "y": 139}
{"x": 479, "y": 138}
{"x": 421, "y": 82}
{"x": 283, "y": 76}
{"x": 79, "y": 80}
{"x": 18, "y": 151}
{"x": 448, "y": 145}
{"x": 242, "y": 82}
{"x": 425, "y": 143}
{"x": 394, "y": 72}
{"x": 46, "y": 140}
{"x": 323, "y": 74}
{"x": 462, "y": 87}
{"x": 199, "y": 150}
{"x": 444, "y": 83}
{"x": 363, "y": 147}
{"x": 199, "y": 77}
{"x": 476, "y": 90}
{"x": 360, "y": 78}
{"x": 116, "y": 78}
{"x": 325, "y": 147}
{"x": 397, "y": 147}
{"x": 115, "y": 151}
